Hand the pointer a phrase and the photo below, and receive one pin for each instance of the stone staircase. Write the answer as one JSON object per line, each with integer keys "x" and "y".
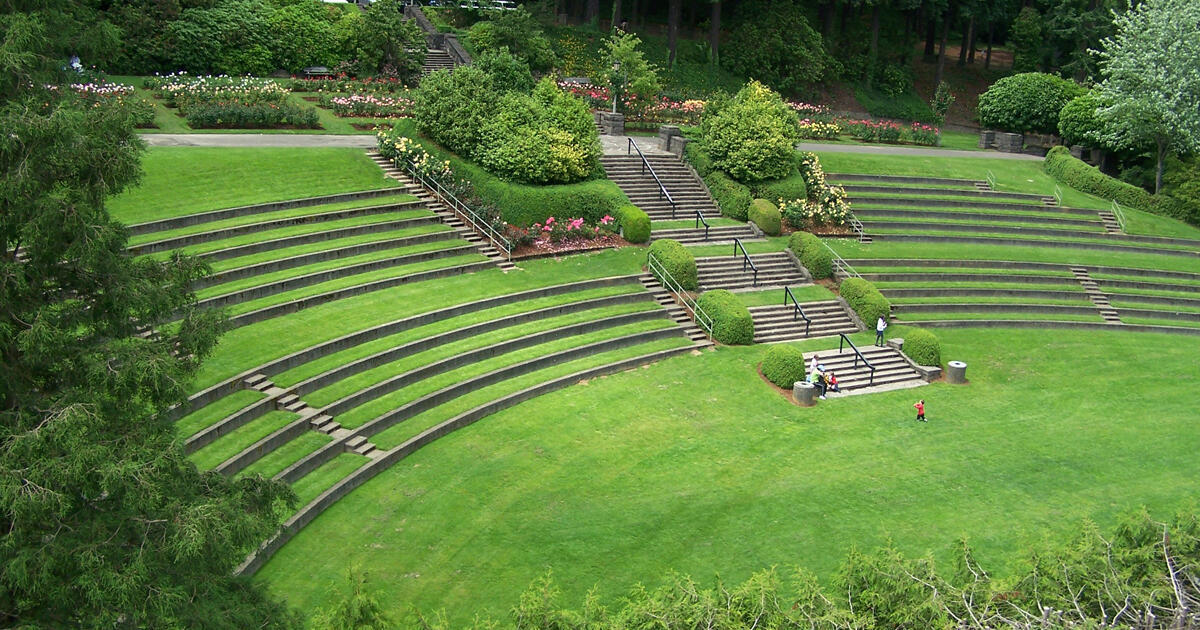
{"x": 779, "y": 323}
{"x": 1096, "y": 295}
{"x": 675, "y": 311}
{"x": 716, "y": 235}
{"x": 443, "y": 212}
{"x": 436, "y": 60}
{"x": 891, "y": 369}
{"x": 731, "y": 272}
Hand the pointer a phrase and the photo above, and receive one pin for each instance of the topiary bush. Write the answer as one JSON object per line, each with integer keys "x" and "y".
{"x": 815, "y": 257}
{"x": 753, "y": 136}
{"x": 1081, "y": 176}
{"x": 452, "y": 107}
{"x": 732, "y": 323}
{"x": 787, "y": 188}
{"x": 1030, "y": 101}
{"x": 783, "y": 365}
{"x": 634, "y": 222}
{"x": 732, "y": 198}
{"x": 766, "y": 216}
{"x": 677, "y": 260}
{"x": 923, "y": 347}
{"x": 866, "y": 300}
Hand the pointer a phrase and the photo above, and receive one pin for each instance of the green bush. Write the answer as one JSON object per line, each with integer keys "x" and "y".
{"x": 815, "y": 257}
{"x": 677, "y": 260}
{"x": 866, "y": 300}
{"x": 923, "y": 347}
{"x": 1081, "y": 176}
{"x": 302, "y": 36}
{"x": 1078, "y": 122}
{"x": 732, "y": 323}
{"x": 787, "y": 188}
{"x": 783, "y": 365}
{"x": 773, "y": 42}
{"x": 634, "y": 222}
{"x": 732, "y": 198}
{"x": 698, "y": 157}
{"x": 753, "y": 137}
{"x": 1027, "y": 40}
{"x": 548, "y": 137}
{"x": 452, "y": 107}
{"x": 1030, "y": 101}
{"x": 518, "y": 31}
{"x": 766, "y": 216}
{"x": 251, "y": 116}
{"x": 1180, "y": 197}
{"x": 906, "y": 106}
{"x": 509, "y": 73}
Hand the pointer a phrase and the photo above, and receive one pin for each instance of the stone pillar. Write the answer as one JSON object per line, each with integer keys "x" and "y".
{"x": 676, "y": 145}
{"x": 896, "y": 343}
{"x": 805, "y": 393}
{"x": 665, "y": 133}
{"x": 612, "y": 124}
{"x": 1010, "y": 142}
{"x": 956, "y": 372}
{"x": 987, "y": 139}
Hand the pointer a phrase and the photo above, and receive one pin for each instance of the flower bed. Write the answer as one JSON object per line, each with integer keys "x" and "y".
{"x": 568, "y": 235}
{"x": 103, "y": 94}
{"x": 368, "y": 105}
{"x": 826, "y": 209}
{"x": 224, "y": 102}
{"x": 342, "y": 83}
{"x": 657, "y": 109}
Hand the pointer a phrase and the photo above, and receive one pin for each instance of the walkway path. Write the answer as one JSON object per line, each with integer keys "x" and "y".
{"x": 912, "y": 151}
{"x": 364, "y": 141}
{"x": 619, "y": 145}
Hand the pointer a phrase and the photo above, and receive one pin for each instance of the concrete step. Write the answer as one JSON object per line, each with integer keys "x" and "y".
{"x": 890, "y": 367}
{"x": 723, "y": 234}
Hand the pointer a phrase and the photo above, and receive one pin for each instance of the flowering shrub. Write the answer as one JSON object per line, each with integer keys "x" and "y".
{"x": 826, "y": 205}
{"x": 556, "y": 231}
{"x": 341, "y": 82}
{"x": 369, "y": 105}
{"x": 924, "y": 134}
{"x": 659, "y": 109}
{"x": 874, "y": 130}
{"x": 103, "y": 94}
{"x": 184, "y": 91}
{"x": 816, "y": 129}
{"x": 403, "y": 151}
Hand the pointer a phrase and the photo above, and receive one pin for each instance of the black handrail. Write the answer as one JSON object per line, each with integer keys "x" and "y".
{"x": 662, "y": 190}
{"x": 700, "y": 219}
{"x": 798, "y": 312}
{"x": 859, "y": 355}
{"x": 737, "y": 243}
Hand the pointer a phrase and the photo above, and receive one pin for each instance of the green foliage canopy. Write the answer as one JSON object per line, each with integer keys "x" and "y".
{"x": 1024, "y": 102}
{"x": 753, "y": 136}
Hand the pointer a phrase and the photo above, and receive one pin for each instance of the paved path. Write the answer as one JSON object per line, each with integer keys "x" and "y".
{"x": 618, "y": 145}
{"x": 913, "y": 151}
{"x": 365, "y": 141}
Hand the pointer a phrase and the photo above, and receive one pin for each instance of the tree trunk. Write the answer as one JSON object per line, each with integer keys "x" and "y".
{"x": 873, "y": 54}
{"x": 941, "y": 62}
{"x": 930, "y": 36}
{"x": 1162, "y": 161}
{"x": 593, "y": 10}
{"x": 714, "y": 32}
{"x": 971, "y": 44}
{"x": 616, "y": 15}
{"x": 987, "y": 61}
{"x": 827, "y": 24}
{"x": 963, "y": 45}
{"x": 673, "y": 8}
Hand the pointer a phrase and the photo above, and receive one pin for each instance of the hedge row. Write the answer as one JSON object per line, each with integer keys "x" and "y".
{"x": 1081, "y": 176}
{"x": 866, "y": 300}
{"x": 732, "y": 323}
{"x": 923, "y": 347}
{"x": 732, "y": 197}
{"x": 634, "y": 222}
{"x": 788, "y": 188}
{"x": 813, "y": 254}
{"x": 766, "y": 216}
{"x": 783, "y": 365}
{"x": 677, "y": 260}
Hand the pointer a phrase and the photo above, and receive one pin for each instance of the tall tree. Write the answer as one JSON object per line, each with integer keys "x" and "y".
{"x": 714, "y": 32}
{"x": 616, "y": 15}
{"x": 674, "y": 7}
{"x": 1151, "y": 69}
{"x": 104, "y": 521}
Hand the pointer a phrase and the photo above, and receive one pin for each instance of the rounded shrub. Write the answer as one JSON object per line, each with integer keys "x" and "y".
{"x": 677, "y": 260}
{"x": 732, "y": 198}
{"x": 1078, "y": 122}
{"x": 783, "y": 365}
{"x": 732, "y": 323}
{"x": 452, "y": 107}
{"x": 696, "y": 156}
{"x": 1030, "y": 101}
{"x": 866, "y": 300}
{"x": 635, "y": 223}
{"x": 509, "y": 73}
{"x": 766, "y": 216}
{"x": 923, "y": 347}
{"x": 753, "y": 137}
{"x": 815, "y": 257}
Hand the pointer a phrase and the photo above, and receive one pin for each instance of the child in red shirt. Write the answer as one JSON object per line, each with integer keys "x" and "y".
{"x": 920, "y": 410}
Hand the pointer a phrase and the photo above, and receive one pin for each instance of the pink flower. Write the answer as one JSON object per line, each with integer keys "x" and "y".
{"x": 606, "y": 220}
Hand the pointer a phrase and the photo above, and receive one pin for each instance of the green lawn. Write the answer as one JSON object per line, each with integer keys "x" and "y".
{"x": 616, "y": 481}
{"x": 187, "y": 180}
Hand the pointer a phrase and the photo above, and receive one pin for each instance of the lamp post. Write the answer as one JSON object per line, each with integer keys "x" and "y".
{"x": 616, "y": 82}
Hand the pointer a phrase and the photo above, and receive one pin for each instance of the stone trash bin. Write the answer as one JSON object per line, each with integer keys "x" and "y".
{"x": 805, "y": 393}
{"x": 956, "y": 372}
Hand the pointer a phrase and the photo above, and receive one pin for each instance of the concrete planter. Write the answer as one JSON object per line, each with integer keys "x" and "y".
{"x": 956, "y": 372}
{"x": 805, "y": 393}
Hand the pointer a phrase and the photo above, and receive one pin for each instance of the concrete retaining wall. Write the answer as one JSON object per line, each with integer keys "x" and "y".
{"x": 1154, "y": 299}
{"x": 1050, "y": 324}
{"x": 1029, "y": 294}
{"x": 968, "y": 277}
{"x": 1016, "y": 264}
{"x": 1136, "y": 284}
{"x": 1043, "y": 309}
{"x": 902, "y": 179}
{"x": 868, "y": 213}
{"x": 950, "y": 203}
{"x": 238, "y": 251}
{"x": 956, "y": 192}
{"x": 983, "y": 240}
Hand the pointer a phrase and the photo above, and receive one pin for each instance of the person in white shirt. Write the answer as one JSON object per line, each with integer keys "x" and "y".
{"x": 880, "y": 326}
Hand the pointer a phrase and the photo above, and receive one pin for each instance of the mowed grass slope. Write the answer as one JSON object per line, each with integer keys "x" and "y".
{"x": 187, "y": 180}
{"x": 695, "y": 464}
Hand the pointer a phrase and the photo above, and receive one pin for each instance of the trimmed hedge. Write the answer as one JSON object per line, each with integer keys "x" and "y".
{"x": 678, "y": 261}
{"x": 815, "y": 257}
{"x": 788, "y": 188}
{"x": 766, "y": 216}
{"x": 923, "y": 347}
{"x": 732, "y": 323}
{"x": 866, "y": 300}
{"x": 732, "y": 198}
{"x": 783, "y": 365}
{"x": 1081, "y": 176}
{"x": 634, "y": 222}
{"x": 695, "y": 154}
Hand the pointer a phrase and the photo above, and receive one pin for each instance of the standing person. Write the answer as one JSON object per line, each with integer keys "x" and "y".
{"x": 920, "y": 405}
{"x": 812, "y": 365}
{"x": 880, "y": 326}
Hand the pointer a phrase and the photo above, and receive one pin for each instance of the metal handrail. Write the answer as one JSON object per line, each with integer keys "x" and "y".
{"x": 1058, "y": 194}
{"x": 840, "y": 263}
{"x": 662, "y": 190}
{"x": 1116, "y": 208}
{"x": 462, "y": 209}
{"x": 991, "y": 179}
{"x": 702, "y": 319}
{"x": 737, "y": 244}
{"x": 699, "y": 219}
{"x": 858, "y": 228}
{"x": 858, "y": 355}
{"x": 797, "y": 312}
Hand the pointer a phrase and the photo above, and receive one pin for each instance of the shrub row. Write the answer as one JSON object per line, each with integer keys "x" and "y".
{"x": 634, "y": 222}
{"x": 732, "y": 198}
{"x": 251, "y": 116}
{"x": 677, "y": 260}
{"x": 923, "y": 347}
{"x": 766, "y": 216}
{"x": 813, "y": 254}
{"x": 866, "y": 300}
{"x": 790, "y": 187}
{"x": 783, "y": 365}
{"x": 732, "y": 323}
{"x": 1081, "y": 176}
